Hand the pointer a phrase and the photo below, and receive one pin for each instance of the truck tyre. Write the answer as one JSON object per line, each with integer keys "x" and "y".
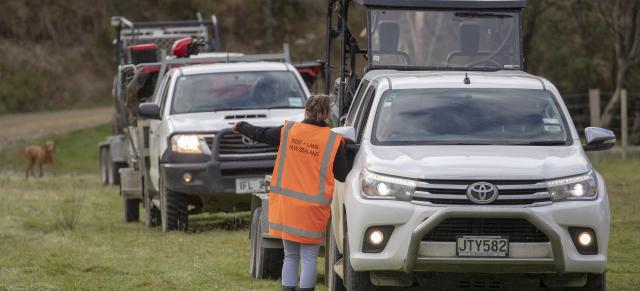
{"x": 267, "y": 262}
{"x": 354, "y": 281}
{"x": 595, "y": 282}
{"x": 109, "y": 168}
{"x": 131, "y": 209}
{"x": 332, "y": 255}
{"x": 104, "y": 165}
{"x": 174, "y": 210}
{"x": 152, "y": 213}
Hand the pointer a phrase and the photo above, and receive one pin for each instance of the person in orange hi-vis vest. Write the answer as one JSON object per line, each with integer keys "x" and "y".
{"x": 310, "y": 156}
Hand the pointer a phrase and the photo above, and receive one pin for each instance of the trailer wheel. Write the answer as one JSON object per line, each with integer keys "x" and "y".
{"x": 173, "y": 209}
{"x": 253, "y": 235}
{"x": 131, "y": 209}
{"x": 267, "y": 262}
{"x": 332, "y": 256}
{"x": 104, "y": 165}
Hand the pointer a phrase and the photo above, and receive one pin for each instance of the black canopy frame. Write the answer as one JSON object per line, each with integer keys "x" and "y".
{"x": 347, "y": 80}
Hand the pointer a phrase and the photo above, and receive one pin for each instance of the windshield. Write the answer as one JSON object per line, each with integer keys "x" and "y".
{"x": 469, "y": 116}
{"x": 445, "y": 39}
{"x": 237, "y": 91}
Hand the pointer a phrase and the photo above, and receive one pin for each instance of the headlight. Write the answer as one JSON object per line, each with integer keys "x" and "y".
{"x": 583, "y": 187}
{"x": 376, "y": 186}
{"x": 186, "y": 144}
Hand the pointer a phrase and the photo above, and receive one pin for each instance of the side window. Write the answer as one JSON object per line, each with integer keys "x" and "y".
{"x": 356, "y": 102}
{"x": 162, "y": 98}
{"x": 364, "y": 109}
{"x": 157, "y": 95}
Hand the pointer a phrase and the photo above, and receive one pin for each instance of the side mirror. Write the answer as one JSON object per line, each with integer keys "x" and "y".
{"x": 149, "y": 110}
{"x": 347, "y": 131}
{"x": 598, "y": 139}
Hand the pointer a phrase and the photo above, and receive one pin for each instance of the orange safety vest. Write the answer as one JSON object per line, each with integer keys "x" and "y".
{"x": 302, "y": 183}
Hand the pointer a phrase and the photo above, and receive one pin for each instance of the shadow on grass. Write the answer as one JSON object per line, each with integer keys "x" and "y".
{"x": 228, "y": 222}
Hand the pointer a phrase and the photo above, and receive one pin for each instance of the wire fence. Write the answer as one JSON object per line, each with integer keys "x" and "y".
{"x": 579, "y": 107}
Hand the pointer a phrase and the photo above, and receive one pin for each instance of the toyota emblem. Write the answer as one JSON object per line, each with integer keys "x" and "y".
{"x": 482, "y": 193}
{"x": 248, "y": 141}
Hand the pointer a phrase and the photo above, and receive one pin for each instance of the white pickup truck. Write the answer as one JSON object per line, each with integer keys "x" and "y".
{"x": 468, "y": 173}
{"x": 197, "y": 164}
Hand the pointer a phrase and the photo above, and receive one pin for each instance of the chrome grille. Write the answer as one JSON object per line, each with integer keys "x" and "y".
{"x": 454, "y": 192}
{"x": 232, "y": 147}
{"x": 516, "y": 229}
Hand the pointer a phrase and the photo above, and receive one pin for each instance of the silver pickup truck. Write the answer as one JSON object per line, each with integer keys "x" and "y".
{"x": 196, "y": 162}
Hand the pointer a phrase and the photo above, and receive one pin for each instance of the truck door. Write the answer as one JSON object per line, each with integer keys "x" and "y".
{"x": 155, "y": 150}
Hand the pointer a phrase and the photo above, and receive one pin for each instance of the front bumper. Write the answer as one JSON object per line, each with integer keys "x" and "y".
{"x": 406, "y": 251}
{"x": 211, "y": 175}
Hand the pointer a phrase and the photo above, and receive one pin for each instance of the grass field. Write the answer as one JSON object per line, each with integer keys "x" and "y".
{"x": 76, "y": 152}
{"x": 39, "y": 249}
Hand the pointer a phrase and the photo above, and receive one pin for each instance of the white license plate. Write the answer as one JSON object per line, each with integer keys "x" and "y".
{"x": 249, "y": 185}
{"x": 482, "y": 246}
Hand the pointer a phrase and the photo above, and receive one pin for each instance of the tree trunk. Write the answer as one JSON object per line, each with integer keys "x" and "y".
{"x": 607, "y": 114}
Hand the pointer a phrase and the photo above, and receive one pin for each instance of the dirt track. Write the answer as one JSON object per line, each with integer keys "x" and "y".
{"x": 33, "y": 125}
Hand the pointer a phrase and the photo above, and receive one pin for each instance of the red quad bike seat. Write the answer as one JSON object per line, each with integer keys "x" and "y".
{"x": 143, "y": 53}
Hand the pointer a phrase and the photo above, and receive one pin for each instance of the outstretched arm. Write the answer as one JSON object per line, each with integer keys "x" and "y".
{"x": 268, "y": 135}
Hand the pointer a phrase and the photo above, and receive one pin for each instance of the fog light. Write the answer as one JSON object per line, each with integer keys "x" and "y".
{"x": 585, "y": 238}
{"x": 186, "y": 177}
{"x": 376, "y": 237}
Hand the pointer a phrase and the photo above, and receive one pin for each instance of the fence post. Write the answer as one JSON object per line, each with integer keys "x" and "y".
{"x": 624, "y": 119}
{"x": 594, "y": 106}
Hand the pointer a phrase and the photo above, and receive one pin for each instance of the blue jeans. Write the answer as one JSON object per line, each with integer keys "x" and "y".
{"x": 293, "y": 251}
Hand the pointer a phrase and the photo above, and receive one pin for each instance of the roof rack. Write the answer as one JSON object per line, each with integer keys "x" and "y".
{"x": 163, "y": 34}
{"x": 228, "y": 57}
{"x": 387, "y": 47}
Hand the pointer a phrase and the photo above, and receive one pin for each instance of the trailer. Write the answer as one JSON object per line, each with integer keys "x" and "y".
{"x": 139, "y": 43}
{"x": 266, "y": 251}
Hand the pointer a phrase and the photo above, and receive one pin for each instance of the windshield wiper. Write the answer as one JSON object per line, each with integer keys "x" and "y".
{"x": 545, "y": 142}
{"x": 481, "y": 15}
{"x": 473, "y": 143}
{"x": 235, "y": 108}
{"x": 284, "y": 107}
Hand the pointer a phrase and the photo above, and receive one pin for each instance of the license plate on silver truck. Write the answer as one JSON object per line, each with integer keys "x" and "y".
{"x": 249, "y": 185}
{"x": 482, "y": 246}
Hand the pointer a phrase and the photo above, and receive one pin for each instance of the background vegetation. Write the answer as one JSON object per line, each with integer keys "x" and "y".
{"x": 58, "y": 54}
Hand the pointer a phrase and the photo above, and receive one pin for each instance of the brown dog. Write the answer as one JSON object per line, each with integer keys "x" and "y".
{"x": 41, "y": 155}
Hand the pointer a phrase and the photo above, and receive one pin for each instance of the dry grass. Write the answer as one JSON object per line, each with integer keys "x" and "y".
{"x": 68, "y": 211}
